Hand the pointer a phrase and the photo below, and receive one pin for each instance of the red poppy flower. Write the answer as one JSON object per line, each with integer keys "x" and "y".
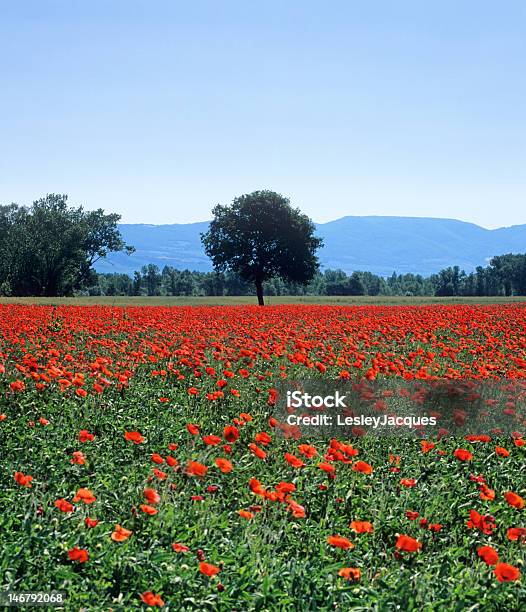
{"x": 486, "y": 524}
{"x": 406, "y": 543}
{"x": 308, "y": 450}
{"x": 231, "y": 433}
{"x": 486, "y": 494}
{"x": 297, "y": 510}
{"x": 151, "y": 496}
{"x": 152, "y": 600}
{"x": 85, "y": 436}
{"x": 256, "y": 487}
{"x": 212, "y": 440}
{"x": 120, "y": 534}
{"x": 84, "y": 495}
{"x": 293, "y": 460}
{"x": 340, "y": 542}
{"x": 263, "y": 438}
{"x": 326, "y": 467}
{"x": 78, "y": 458}
{"x": 194, "y": 468}
{"x": 259, "y": 452}
{"x": 514, "y": 500}
{"x": 362, "y": 526}
{"x": 426, "y": 446}
{"x": 24, "y": 480}
{"x": 134, "y": 436}
{"x": 284, "y": 488}
{"x": 350, "y": 573}
{"x": 506, "y": 573}
{"x": 171, "y": 461}
{"x": 80, "y": 555}
{"x": 245, "y": 514}
{"x": 208, "y": 569}
{"x": 463, "y": 455}
{"x": 224, "y": 465}
{"x": 362, "y": 467}
{"x": 64, "y": 506}
{"x": 488, "y": 554}
{"x": 516, "y": 533}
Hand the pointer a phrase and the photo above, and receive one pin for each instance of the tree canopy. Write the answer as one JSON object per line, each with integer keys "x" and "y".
{"x": 49, "y": 248}
{"x": 261, "y": 236}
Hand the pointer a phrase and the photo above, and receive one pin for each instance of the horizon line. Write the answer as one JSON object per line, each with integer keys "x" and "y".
{"x": 489, "y": 229}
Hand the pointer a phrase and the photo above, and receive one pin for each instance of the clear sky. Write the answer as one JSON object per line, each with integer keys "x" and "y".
{"x": 160, "y": 109}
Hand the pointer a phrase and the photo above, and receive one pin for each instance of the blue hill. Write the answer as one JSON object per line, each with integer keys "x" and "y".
{"x": 378, "y": 244}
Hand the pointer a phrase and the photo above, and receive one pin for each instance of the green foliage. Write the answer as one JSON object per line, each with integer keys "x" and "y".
{"x": 505, "y": 276}
{"x": 152, "y": 278}
{"x": 259, "y": 237}
{"x": 49, "y": 248}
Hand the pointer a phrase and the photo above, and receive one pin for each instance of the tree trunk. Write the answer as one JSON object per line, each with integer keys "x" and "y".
{"x": 259, "y": 292}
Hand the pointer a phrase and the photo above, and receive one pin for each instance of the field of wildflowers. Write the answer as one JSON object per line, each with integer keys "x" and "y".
{"x": 141, "y": 464}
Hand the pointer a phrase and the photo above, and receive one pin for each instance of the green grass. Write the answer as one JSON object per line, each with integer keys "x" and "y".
{"x": 249, "y": 299}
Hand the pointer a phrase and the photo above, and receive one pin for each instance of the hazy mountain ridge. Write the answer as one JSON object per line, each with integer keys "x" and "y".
{"x": 378, "y": 244}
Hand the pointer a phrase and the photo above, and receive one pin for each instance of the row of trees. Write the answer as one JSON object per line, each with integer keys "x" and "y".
{"x": 505, "y": 275}
{"x": 260, "y": 240}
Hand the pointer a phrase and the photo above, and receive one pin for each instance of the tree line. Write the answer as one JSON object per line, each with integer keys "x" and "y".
{"x": 259, "y": 242}
{"x": 504, "y": 276}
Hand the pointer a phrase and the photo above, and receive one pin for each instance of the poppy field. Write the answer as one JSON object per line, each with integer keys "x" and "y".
{"x": 141, "y": 463}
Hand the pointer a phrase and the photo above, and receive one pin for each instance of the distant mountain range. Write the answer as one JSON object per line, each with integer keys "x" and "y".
{"x": 377, "y": 244}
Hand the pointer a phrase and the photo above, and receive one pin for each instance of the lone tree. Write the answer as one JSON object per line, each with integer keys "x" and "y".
{"x": 260, "y": 236}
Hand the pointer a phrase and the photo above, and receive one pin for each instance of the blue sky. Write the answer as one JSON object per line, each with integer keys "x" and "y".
{"x": 159, "y": 110}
